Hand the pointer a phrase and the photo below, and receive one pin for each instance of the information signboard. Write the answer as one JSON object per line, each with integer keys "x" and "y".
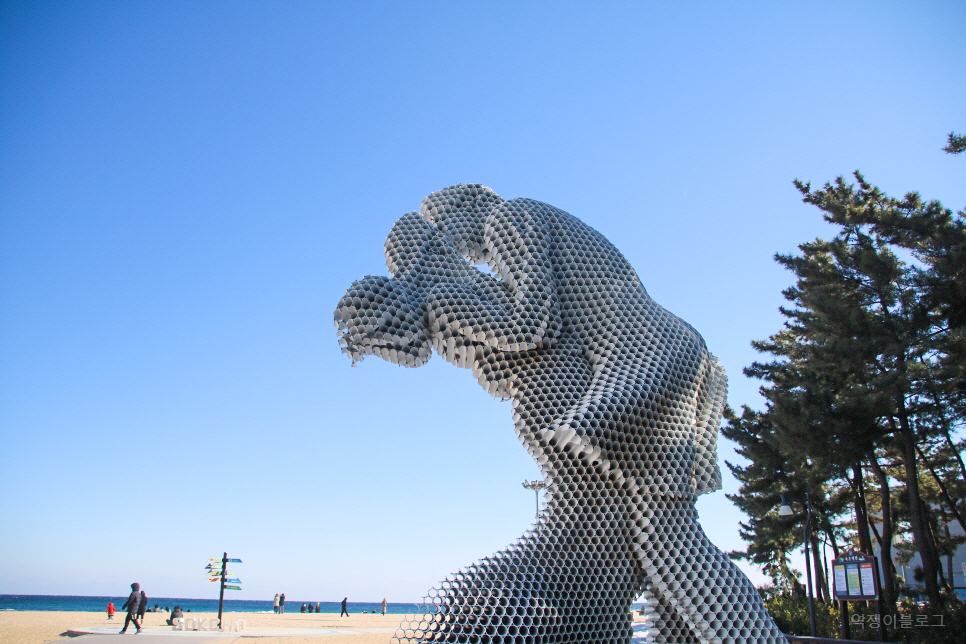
{"x": 855, "y": 577}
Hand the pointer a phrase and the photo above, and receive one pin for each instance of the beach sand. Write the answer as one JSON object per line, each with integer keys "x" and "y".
{"x": 38, "y": 627}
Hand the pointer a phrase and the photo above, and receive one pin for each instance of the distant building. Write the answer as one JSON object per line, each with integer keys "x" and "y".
{"x": 958, "y": 563}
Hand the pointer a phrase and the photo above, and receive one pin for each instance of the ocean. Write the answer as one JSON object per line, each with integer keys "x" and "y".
{"x": 99, "y": 604}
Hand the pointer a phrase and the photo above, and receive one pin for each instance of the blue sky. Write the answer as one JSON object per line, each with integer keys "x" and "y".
{"x": 186, "y": 189}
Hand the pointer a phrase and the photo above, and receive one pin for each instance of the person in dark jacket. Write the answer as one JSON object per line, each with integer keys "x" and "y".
{"x": 142, "y": 606}
{"x": 175, "y": 614}
{"x": 281, "y": 603}
{"x": 131, "y": 605}
{"x": 344, "y": 600}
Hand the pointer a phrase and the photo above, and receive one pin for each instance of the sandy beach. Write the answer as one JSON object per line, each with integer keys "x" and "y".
{"x": 38, "y": 627}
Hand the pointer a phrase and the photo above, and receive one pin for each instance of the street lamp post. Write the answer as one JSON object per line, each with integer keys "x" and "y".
{"x": 785, "y": 510}
{"x": 536, "y": 486}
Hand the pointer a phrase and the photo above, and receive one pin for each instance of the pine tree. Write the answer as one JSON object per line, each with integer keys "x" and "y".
{"x": 867, "y": 366}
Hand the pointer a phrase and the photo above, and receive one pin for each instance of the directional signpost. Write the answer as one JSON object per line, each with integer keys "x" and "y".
{"x": 218, "y": 571}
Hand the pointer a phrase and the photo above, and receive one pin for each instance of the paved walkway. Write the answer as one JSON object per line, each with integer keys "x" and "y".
{"x": 147, "y": 638}
{"x": 163, "y": 634}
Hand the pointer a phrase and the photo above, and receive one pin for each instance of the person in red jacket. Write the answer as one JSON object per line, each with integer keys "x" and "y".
{"x": 110, "y": 610}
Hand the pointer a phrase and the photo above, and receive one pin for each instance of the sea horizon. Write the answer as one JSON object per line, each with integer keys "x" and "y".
{"x": 98, "y": 603}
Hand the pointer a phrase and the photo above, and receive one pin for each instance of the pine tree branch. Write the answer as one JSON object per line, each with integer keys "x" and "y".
{"x": 956, "y": 144}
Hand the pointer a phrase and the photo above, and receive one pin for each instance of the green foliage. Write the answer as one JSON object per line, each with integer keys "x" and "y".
{"x": 911, "y": 624}
{"x": 956, "y": 144}
{"x": 864, "y": 387}
{"x": 790, "y": 612}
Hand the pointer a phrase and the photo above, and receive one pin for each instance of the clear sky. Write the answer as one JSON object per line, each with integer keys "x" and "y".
{"x": 187, "y": 188}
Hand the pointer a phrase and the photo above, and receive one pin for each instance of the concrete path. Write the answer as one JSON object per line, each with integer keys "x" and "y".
{"x": 163, "y": 634}
{"x": 146, "y": 638}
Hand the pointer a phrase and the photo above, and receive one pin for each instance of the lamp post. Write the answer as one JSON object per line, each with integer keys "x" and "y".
{"x": 536, "y": 486}
{"x": 785, "y": 510}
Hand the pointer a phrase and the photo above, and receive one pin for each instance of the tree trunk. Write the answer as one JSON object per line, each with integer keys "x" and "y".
{"x": 917, "y": 515}
{"x": 943, "y": 493}
{"x": 831, "y": 539}
{"x": 889, "y": 587}
{"x": 797, "y": 588}
{"x": 933, "y": 530}
{"x": 950, "y": 580}
{"x": 959, "y": 457}
{"x": 940, "y": 407}
{"x": 821, "y": 588}
{"x": 861, "y": 511}
{"x": 828, "y": 588}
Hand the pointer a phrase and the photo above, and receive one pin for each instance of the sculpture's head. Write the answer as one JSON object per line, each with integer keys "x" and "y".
{"x": 460, "y": 212}
{"x": 419, "y": 253}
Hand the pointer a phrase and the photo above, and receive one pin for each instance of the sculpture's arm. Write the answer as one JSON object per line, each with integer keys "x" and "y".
{"x": 693, "y": 440}
{"x": 517, "y": 247}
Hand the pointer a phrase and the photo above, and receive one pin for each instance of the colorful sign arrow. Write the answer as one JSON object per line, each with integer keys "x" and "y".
{"x": 227, "y": 587}
{"x": 233, "y": 560}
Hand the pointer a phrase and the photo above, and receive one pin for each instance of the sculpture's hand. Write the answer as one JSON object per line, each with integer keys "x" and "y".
{"x": 380, "y": 316}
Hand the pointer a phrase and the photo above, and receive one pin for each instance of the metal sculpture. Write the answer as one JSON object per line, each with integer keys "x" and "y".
{"x": 617, "y": 399}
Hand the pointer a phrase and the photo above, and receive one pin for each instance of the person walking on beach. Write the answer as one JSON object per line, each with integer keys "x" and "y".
{"x": 281, "y": 604}
{"x": 131, "y": 605}
{"x": 276, "y": 603}
{"x": 110, "y": 610}
{"x": 142, "y": 606}
{"x": 383, "y": 605}
{"x": 344, "y": 600}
